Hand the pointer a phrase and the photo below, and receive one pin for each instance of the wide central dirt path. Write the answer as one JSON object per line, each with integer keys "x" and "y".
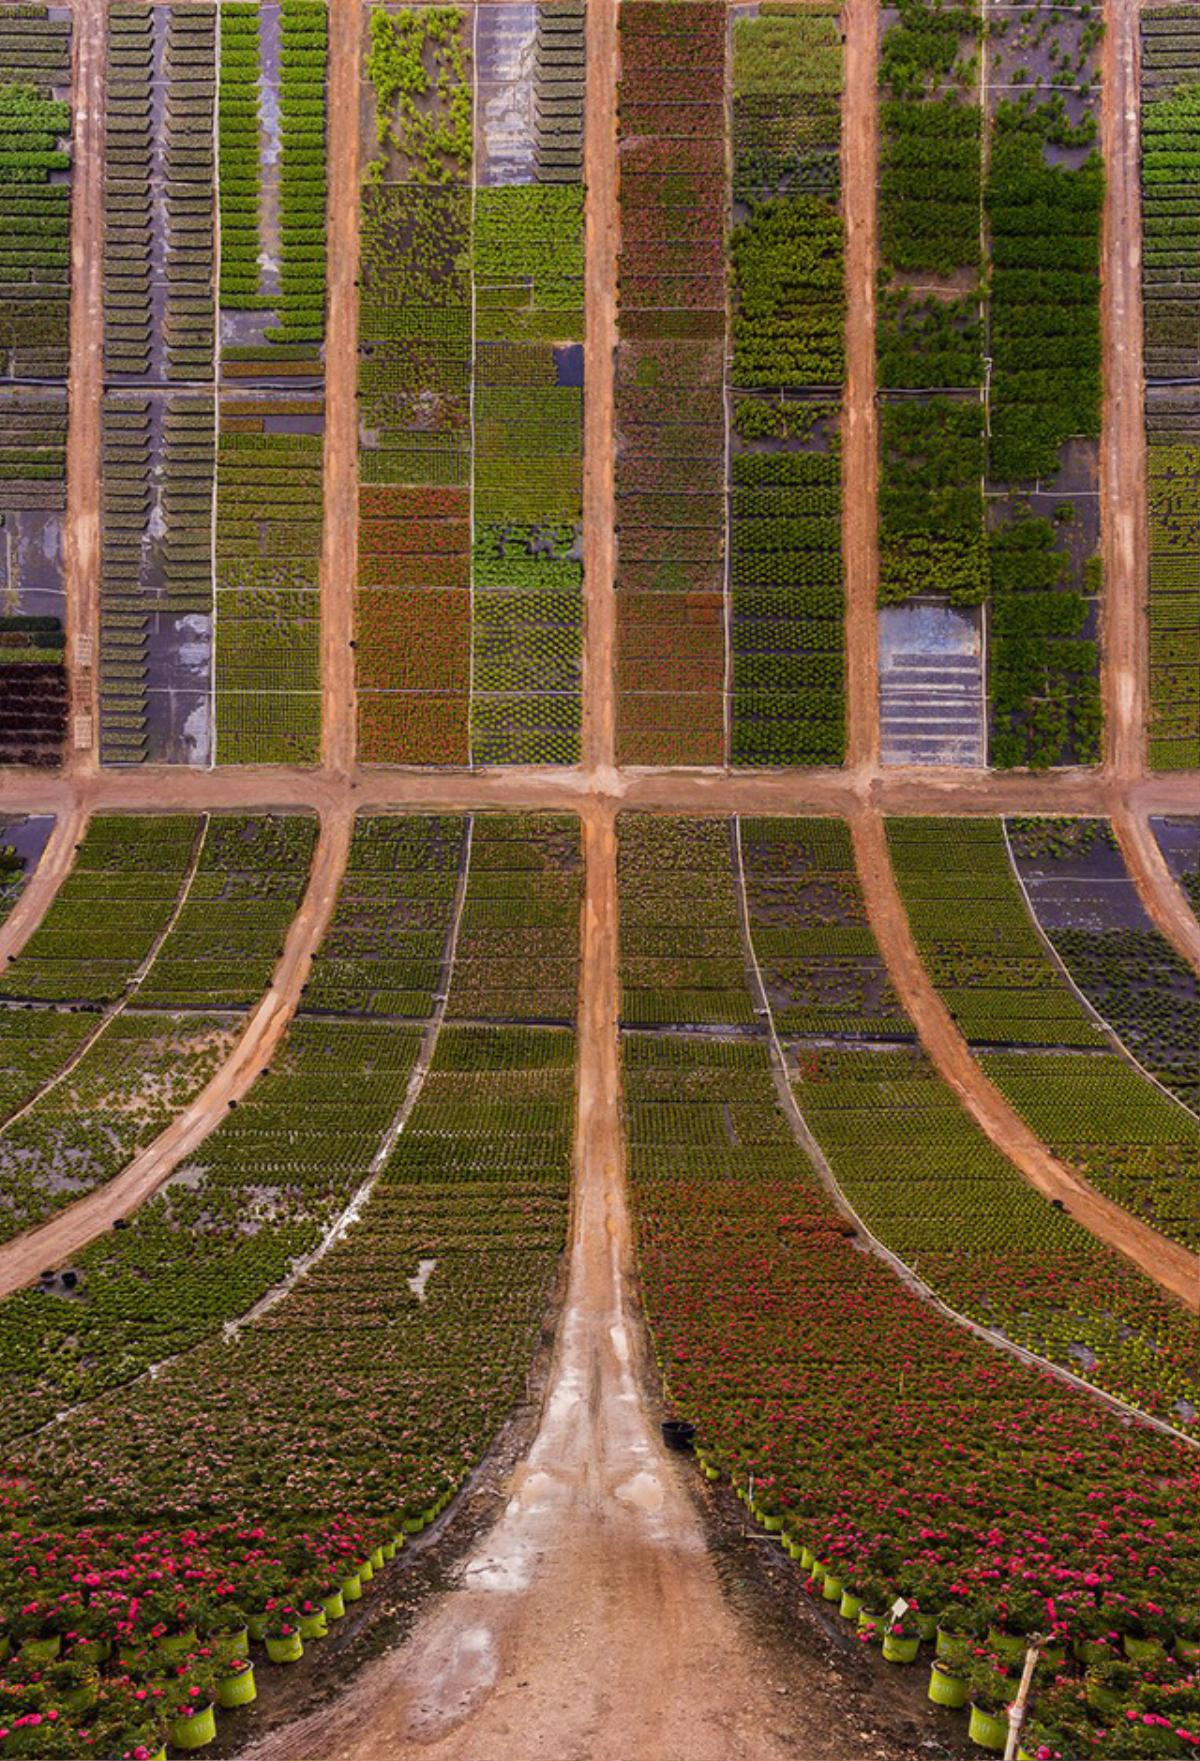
{"x": 590, "y": 1624}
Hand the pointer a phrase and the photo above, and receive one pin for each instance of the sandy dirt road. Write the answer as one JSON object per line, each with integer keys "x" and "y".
{"x": 40, "y": 889}
{"x": 181, "y": 790}
{"x": 57, "y": 1241}
{"x": 85, "y": 381}
{"x": 860, "y": 421}
{"x": 339, "y": 546}
{"x": 600, "y": 336}
{"x": 1125, "y": 652}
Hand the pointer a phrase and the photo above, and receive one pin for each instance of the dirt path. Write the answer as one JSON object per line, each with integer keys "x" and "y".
{"x": 339, "y": 549}
{"x": 1124, "y": 650}
{"x": 600, "y": 340}
{"x": 1162, "y": 898}
{"x": 56, "y": 1242}
{"x": 85, "y": 384}
{"x": 148, "y": 789}
{"x": 589, "y": 1624}
{"x": 1169, "y": 1264}
{"x": 39, "y": 891}
{"x": 860, "y": 423}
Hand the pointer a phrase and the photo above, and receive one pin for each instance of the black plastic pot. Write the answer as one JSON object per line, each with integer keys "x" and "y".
{"x": 678, "y": 1434}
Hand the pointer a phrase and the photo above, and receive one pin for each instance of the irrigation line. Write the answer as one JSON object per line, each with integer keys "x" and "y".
{"x": 231, "y": 1329}
{"x": 1106, "y": 1028}
{"x": 726, "y": 402}
{"x": 999, "y": 1341}
{"x": 416, "y": 1082}
{"x": 132, "y": 987}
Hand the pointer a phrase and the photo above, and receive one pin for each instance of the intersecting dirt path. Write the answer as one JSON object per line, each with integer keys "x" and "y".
{"x": 38, "y": 893}
{"x": 56, "y": 1242}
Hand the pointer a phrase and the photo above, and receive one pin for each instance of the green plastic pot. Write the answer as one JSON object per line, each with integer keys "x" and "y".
{"x": 807, "y": 1558}
{"x": 333, "y": 1607}
{"x": 1188, "y": 1650}
{"x": 950, "y": 1645}
{"x": 946, "y": 1688}
{"x": 192, "y": 1730}
{"x": 1091, "y": 1651}
{"x": 900, "y": 1650}
{"x": 870, "y": 1617}
{"x": 377, "y": 1559}
{"x": 236, "y": 1690}
{"x": 388, "y": 1550}
{"x": 772, "y": 1524}
{"x": 1102, "y": 1699}
{"x": 710, "y": 1472}
{"x": 850, "y": 1606}
{"x": 256, "y": 1626}
{"x": 927, "y": 1628}
{"x": 351, "y": 1587}
{"x": 413, "y": 1525}
{"x": 1009, "y": 1647}
{"x": 161, "y": 1755}
{"x": 177, "y": 1645}
{"x": 793, "y": 1549}
{"x": 366, "y": 1572}
{"x": 82, "y": 1698}
{"x": 988, "y": 1730}
{"x": 230, "y": 1644}
{"x": 1144, "y": 1650}
{"x": 41, "y": 1650}
{"x": 313, "y": 1626}
{"x": 287, "y": 1648}
{"x": 85, "y": 1651}
{"x": 831, "y": 1590}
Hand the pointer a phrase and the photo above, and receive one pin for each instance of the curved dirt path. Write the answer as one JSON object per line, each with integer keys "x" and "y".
{"x": 55, "y": 1242}
{"x": 40, "y": 890}
{"x": 85, "y": 383}
{"x": 339, "y": 545}
{"x": 1162, "y": 897}
{"x": 860, "y": 421}
{"x": 598, "y": 739}
{"x": 1170, "y": 1265}
{"x": 1124, "y": 645}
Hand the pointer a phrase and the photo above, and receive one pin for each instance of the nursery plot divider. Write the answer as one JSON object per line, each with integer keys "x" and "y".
{"x": 85, "y": 386}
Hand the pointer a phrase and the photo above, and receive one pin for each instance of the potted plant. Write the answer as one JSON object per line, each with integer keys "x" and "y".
{"x": 235, "y": 1683}
{"x": 901, "y": 1640}
{"x": 948, "y": 1683}
{"x": 284, "y": 1644}
{"x": 989, "y": 1691}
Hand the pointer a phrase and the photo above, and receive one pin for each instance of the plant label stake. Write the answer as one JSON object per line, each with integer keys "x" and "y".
{"x": 896, "y": 1612}
{"x": 1016, "y": 1712}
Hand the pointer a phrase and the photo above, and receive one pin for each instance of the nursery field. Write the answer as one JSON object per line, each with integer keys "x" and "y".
{"x": 212, "y": 422}
{"x": 990, "y": 192}
{"x": 469, "y": 602}
{"x": 1034, "y": 1036}
{"x": 1170, "y": 143}
{"x": 378, "y": 1357}
{"x": 35, "y": 190}
{"x": 890, "y": 1452}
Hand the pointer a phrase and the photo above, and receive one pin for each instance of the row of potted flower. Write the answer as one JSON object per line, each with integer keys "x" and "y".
{"x": 125, "y": 1668}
